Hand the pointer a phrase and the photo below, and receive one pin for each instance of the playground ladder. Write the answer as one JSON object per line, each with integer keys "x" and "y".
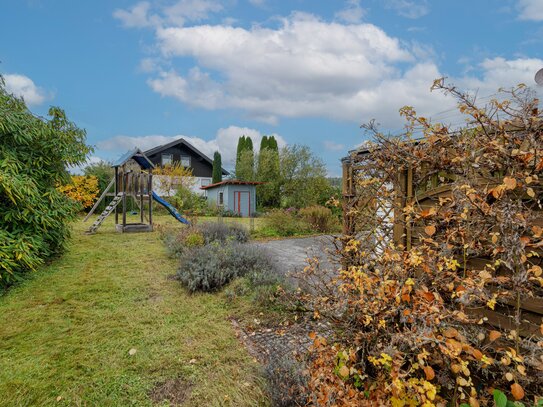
{"x": 112, "y": 205}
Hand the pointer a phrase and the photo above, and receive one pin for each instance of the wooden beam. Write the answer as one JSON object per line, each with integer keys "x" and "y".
{"x": 116, "y": 192}
{"x": 104, "y": 194}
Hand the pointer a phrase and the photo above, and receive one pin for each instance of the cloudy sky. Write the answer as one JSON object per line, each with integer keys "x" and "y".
{"x": 141, "y": 73}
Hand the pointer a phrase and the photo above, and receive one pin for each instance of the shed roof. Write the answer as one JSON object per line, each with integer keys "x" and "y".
{"x": 231, "y": 182}
{"x": 138, "y": 156}
{"x": 184, "y": 142}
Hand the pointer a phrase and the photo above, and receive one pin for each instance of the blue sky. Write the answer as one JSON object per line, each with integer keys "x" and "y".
{"x": 310, "y": 72}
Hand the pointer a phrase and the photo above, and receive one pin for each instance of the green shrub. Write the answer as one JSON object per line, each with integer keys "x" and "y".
{"x": 209, "y": 268}
{"x": 204, "y": 233}
{"x": 179, "y": 241}
{"x": 189, "y": 202}
{"x": 195, "y": 238}
{"x": 320, "y": 219}
{"x": 285, "y": 222}
{"x": 104, "y": 172}
{"x": 222, "y": 232}
{"x": 34, "y": 155}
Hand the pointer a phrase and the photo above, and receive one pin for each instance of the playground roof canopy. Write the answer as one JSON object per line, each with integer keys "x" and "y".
{"x": 138, "y": 156}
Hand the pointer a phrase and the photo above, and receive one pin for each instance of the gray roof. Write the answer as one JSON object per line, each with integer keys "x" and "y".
{"x": 138, "y": 156}
{"x": 160, "y": 148}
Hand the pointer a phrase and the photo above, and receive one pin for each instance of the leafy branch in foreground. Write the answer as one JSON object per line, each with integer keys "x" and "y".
{"x": 417, "y": 310}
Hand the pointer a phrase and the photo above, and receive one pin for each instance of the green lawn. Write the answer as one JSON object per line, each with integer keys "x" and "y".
{"x": 66, "y": 333}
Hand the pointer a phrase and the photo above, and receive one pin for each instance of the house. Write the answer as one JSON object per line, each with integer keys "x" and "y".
{"x": 233, "y": 195}
{"x": 182, "y": 152}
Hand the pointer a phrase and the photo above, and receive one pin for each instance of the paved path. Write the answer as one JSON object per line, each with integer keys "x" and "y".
{"x": 291, "y": 254}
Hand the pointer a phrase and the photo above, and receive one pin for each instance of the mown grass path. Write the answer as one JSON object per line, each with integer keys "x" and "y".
{"x": 65, "y": 334}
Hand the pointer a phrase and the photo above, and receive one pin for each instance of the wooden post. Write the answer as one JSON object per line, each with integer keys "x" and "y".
{"x": 99, "y": 199}
{"x": 150, "y": 191}
{"x": 125, "y": 184}
{"x": 348, "y": 193}
{"x": 409, "y": 228}
{"x": 141, "y": 196}
{"x": 399, "y": 203}
{"x": 116, "y": 192}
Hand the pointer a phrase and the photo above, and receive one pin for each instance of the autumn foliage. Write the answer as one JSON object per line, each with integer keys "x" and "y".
{"x": 83, "y": 189}
{"x": 411, "y": 312}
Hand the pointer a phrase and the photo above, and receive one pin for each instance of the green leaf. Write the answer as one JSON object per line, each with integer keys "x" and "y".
{"x": 500, "y": 399}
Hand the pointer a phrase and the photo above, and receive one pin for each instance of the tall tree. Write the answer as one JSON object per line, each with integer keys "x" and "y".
{"x": 217, "y": 168}
{"x": 245, "y": 160}
{"x": 240, "y": 149}
{"x": 272, "y": 143}
{"x": 248, "y": 143}
{"x": 303, "y": 177}
{"x": 268, "y": 172}
{"x": 241, "y": 143}
{"x": 245, "y": 170}
{"x": 34, "y": 156}
{"x": 263, "y": 143}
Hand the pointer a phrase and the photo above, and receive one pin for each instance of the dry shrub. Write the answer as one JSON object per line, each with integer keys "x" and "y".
{"x": 410, "y": 311}
{"x": 285, "y": 222}
{"x": 319, "y": 218}
{"x": 287, "y": 381}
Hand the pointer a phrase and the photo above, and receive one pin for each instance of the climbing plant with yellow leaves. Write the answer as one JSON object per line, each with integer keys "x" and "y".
{"x": 439, "y": 298}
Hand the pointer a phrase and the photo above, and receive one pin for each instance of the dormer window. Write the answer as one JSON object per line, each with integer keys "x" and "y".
{"x": 166, "y": 159}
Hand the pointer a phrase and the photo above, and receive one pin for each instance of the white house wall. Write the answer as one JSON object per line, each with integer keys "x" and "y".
{"x": 193, "y": 183}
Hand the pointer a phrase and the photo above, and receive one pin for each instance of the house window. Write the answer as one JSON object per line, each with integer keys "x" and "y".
{"x": 185, "y": 161}
{"x": 204, "y": 182}
{"x": 167, "y": 159}
{"x": 221, "y": 198}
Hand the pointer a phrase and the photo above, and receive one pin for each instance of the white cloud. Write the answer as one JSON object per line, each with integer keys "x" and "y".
{"x": 177, "y": 13}
{"x": 191, "y": 10}
{"x": 307, "y": 67}
{"x": 500, "y": 72}
{"x": 257, "y": 3}
{"x": 23, "y": 86}
{"x": 333, "y": 146}
{"x": 352, "y": 13}
{"x": 408, "y": 8}
{"x": 148, "y": 65}
{"x": 300, "y": 69}
{"x": 225, "y": 142}
{"x": 137, "y": 16}
{"x": 79, "y": 169}
{"x": 531, "y": 10}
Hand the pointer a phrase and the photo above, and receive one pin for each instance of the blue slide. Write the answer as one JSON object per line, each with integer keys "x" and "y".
{"x": 170, "y": 209}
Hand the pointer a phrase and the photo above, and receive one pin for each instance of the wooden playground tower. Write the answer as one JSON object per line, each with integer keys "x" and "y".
{"x": 133, "y": 180}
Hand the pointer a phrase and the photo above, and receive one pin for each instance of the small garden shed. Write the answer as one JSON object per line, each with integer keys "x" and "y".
{"x": 233, "y": 195}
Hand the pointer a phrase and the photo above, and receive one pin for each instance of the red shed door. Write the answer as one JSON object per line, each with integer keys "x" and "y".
{"x": 242, "y": 203}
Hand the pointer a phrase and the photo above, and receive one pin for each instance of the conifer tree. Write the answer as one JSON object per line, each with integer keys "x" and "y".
{"x": 263, "y": 143}
{"x": 217, "y": 168}
{"x": 248, "y": 143}
{"x": 272, "y": 144}
{"x": 240, "y": 149}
